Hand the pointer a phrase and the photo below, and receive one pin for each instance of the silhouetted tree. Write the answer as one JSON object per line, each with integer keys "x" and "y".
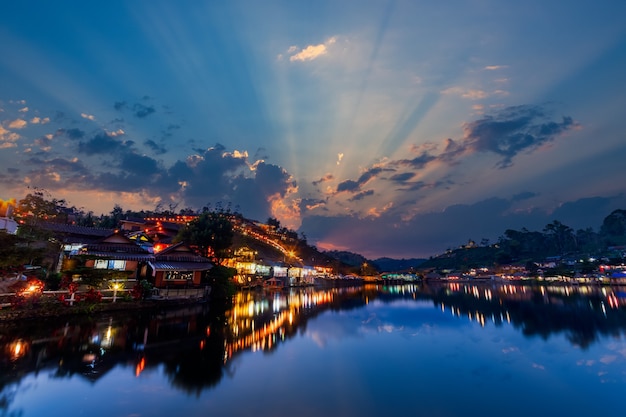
{"x": 613, "y": 228}
{"x": 211, "y": 233}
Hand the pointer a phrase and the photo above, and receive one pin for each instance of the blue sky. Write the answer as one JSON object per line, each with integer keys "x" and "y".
{"x": 389, "y": 128}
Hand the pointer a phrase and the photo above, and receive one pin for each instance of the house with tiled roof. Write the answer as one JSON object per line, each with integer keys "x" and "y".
{"x": 178, "y": 266}
{"x": 116, "y": 252}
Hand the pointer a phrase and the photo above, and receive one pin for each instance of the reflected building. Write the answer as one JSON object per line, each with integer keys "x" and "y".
{"x": 195, "y": 345}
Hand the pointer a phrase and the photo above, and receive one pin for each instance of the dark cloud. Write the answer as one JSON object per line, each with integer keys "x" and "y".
{"x": 43, "y": 141}
{"x": 587, "y": 212}
{"x": 432, "y": 233}
{"x": 511, "y": 131}
{"x": 272, "y": 179}
{"x": 158, "y": 149}
{"x": 506, "y": 133}
{"x": 73, "y": 133}
{"x": 348, "y": 185}
{"x": 371, "y": 173}
{"x": 122, "y": 182}
{"x": 13, "y": 170}
{"x": 261, "y": 154}
{"x": 61, "y": 165}
{"x": 418, "y": 162}
{"x": 142, "y": 111}
{"x": 119, "y": 105}
{"x": 102, "y": 144}
{"x": 361, "y": 195}
{"x": 355, "y": 186}
{"x": 402, "y": 178}
{"x": 138, "y": 164}
{"x": 325, "y": 178}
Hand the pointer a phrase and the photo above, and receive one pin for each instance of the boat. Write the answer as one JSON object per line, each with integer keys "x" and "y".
{"x": 273, "y": 284}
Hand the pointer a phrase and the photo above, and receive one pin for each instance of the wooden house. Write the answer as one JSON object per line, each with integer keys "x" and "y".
{"x": 178, "y": 266}
{"x": 116, "y": 252}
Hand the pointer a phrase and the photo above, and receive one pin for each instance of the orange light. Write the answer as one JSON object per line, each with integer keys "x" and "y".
{"x": 140, "y": 366}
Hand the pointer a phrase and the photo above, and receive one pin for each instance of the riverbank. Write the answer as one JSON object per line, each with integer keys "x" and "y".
{"x": 55, "y": 309}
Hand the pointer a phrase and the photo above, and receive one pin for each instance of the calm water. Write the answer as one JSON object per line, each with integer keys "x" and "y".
{"x": 430, "y": 350}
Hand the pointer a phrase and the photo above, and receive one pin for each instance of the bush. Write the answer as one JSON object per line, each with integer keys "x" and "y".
{"x": 141, "y": 290}
{"x": 92, "y": 296}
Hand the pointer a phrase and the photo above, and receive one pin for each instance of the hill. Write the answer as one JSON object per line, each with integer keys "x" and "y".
{"x": 397, "y": 265}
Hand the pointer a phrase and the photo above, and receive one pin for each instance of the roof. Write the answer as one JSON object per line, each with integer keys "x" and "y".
{"x": 82, "y": 234}
{"x": 121, "y": 256}
{"x": 179, "y": 252}
{"x": 181, "y": 266}
{"x": 116, "y": 246}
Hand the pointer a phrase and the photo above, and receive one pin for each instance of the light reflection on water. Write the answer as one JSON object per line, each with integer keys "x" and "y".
{"x": 430, "y": 349}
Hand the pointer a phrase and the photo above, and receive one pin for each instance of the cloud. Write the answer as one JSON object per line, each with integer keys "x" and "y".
{"x": 18, "y": 124}
{"x": 418, "y": 162}
{"x": 138, "y": 164}
{"x": 118, "y": 132}
{"x": 495, "y": 67}
{"x": 402, "y": 178}
{"x": 142, "y": 111}
{"x": 311, "y": 52}
{"x": 44, "y": 141}
{"x": 361, "y": 195}
{"x": 158, "y": 149}
{"x": 348, "y": 185}
{"x": 101, "y": 143}
{"x": 472, "y": 94}
{"x": 73, "y": 133}
{"x": 368, "y": 175}
{"x": 325, "y": 178}
{"x": 433, "y": 232}
{"x": 88, "y": 116}
{"x": 8, "y": 138}
{"x": 39, "y": 120}
{"x": 511, "y": 131}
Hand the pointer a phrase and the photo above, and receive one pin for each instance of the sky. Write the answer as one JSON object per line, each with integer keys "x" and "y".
{"x": 386, "y": 128}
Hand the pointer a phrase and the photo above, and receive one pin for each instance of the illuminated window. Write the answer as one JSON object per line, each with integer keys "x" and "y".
{"x": 179, "y": 275}
{"x": 101, "y": 264}
{"x": 119, "y": 265}
{"x": 109, "y": 264}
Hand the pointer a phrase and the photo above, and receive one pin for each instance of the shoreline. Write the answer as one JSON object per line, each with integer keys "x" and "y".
{"x": 9, "y": 315}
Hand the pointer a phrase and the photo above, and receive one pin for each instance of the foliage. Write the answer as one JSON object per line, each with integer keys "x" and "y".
{"x": 92, "y": 296}
{"x": 220, "y": 278}
{"x": 273, "y": 222}
{"x": 15, "y": 251}
{"x": 614, "y": 228}
{"x": 141, "y": 290}
{"x": 53, "y": 281}
{"x": 211, "y": 232}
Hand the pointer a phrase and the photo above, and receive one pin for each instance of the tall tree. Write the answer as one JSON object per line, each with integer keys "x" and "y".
{"x": 211, "y": 233}
{"x": 614, "y": 228}
{"x": 562, "y": 236}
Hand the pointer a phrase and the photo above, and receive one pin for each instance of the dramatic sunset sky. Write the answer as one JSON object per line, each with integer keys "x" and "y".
{"x": 388, "y": 128}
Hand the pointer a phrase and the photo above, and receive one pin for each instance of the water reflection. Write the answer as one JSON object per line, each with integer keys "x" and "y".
{"x": 194, "y": 346}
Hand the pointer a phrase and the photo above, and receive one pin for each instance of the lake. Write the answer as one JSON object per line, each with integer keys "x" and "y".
{"x": 433, "y": 349}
